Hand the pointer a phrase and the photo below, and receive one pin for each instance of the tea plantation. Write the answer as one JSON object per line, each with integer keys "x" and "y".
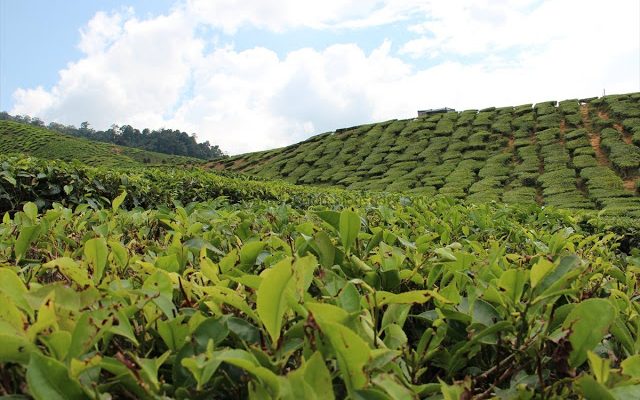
{"x": 572, "y": 154}
{"x": 27, "y": 139}
{"x": 506, "y": 267}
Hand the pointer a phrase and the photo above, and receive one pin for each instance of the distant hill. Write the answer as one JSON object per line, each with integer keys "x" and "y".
{"x": 27, "y": 139}
{"x": 166, "y": 141}
{"x": 575, "y": 154}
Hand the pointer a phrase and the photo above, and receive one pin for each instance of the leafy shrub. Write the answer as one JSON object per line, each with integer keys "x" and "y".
{"x": 524, "y": 122}
{"x": 523, "y": 109}
{"x": 569, "y": 107}
{"x": 520, "y": 195}
{"x": 444, "y": 127}
{"x": 548, "y": 135}
{"x": 545, "y": 108}
{"x": 484, "y": 118}
{"x": 550, "y": 120}
{"x": 625, "y": 157}
{"x": 584, "y": 161}
{"x": 466, "y": 117}
{"x": 577, "y": 143}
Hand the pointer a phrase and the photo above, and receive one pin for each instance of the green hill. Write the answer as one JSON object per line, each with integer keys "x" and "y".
{"x": 27, "y": 139}
{"x": 575, "y": 154}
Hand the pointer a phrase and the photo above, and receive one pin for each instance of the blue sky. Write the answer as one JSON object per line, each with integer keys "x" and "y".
{"x": 39, "y": 37}
{"x": 258, "y": 74}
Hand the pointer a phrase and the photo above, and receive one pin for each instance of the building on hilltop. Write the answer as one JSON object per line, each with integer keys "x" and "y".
{"x": 435, "y": 111}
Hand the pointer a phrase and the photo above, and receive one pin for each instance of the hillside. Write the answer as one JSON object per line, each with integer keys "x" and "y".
{"x": 572, "y": 154}
{"x": 43, "y": 143}
{"x": 111, "y": 288}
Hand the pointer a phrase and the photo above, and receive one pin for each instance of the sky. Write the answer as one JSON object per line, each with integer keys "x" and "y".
{"x": 258, "y": 74}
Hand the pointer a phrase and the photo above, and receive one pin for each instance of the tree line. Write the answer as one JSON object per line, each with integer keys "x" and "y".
{"x": 163, "y": 140}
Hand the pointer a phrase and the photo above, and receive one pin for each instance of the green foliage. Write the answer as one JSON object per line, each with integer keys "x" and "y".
{"x": 270, "y": 296}
{"x": 26, "y": 139}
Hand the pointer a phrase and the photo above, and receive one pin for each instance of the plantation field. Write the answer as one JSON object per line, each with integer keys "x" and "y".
{"x": 488, "y": 254}
{"x": 40, "y": 142}
{"x": 174, "y": 283}
{"x": 572, "y": 154}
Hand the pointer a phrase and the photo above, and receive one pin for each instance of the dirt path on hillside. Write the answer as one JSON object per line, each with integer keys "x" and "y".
{"x": 563, "y": 126}
{"x": 631, "y": 184}
{"x": 594, "y": 138}
{"x": 626, "y": 136}
{"x": 563, "y": 129}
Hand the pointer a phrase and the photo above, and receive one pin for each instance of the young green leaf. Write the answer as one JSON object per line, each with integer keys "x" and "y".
{"x": 588, "y": 323}
{"x": 352, "y": 353}
{"x": 31, "y": 211}
{"x": 71, "y": 269}
{"x": 250, "y": 251}
{"x": 271, "y": 303}
{"x": 326, "y": 249}
{"x": 512, "y": 282}
{"x": 539, "y": 271}
{"x": 631, "y": 366}
{"x": 49, "y": 379}
{"x": 96, "y": 252}
{"x": 318, "y": 377}
{"x": 117, "y": 202}
{"x": 12, "y": 286}
{"x": 15, "y": 348}
{"x": 592, "y": 390}
{"x": 600, "y": 367}
{"x": 349, "y": 228}
{"x": 330, "y": 217}
{"x": 27, "y": 235}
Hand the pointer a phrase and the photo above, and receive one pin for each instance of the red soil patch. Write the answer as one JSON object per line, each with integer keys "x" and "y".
{"x": 594, "y": 138}
{"x": 618, "y": 127}
{"x": 630, "y": 184}
{"x": 626, "y": 136}
{"x": 511, "y": 144}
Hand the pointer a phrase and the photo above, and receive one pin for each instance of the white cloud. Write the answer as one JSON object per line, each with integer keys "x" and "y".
{"x": 133, "y": 70}
{"x": 32, "y": 101}
{"x": 102, "y": 30}
{"x": 277, "y": 15}
{"x": 158, "y": 72}
{"x": 489, "y": 26}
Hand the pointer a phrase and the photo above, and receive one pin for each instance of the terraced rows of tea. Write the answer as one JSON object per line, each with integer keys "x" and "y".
{"x": 572, "y": 154}
{"x": 40, "y": 142}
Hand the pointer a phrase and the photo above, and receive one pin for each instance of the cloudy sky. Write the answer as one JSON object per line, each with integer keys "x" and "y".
{"x": 256, "y": 74}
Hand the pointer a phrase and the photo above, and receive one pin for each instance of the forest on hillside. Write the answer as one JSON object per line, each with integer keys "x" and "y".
{"x": 163, "y": 140}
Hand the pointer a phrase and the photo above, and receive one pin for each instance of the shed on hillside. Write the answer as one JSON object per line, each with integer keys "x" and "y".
{"x": 435, "y": 111}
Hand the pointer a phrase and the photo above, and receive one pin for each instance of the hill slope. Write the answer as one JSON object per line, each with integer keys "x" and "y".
{"x": 572, "y": 154}
{"x": 16, "y": 137}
